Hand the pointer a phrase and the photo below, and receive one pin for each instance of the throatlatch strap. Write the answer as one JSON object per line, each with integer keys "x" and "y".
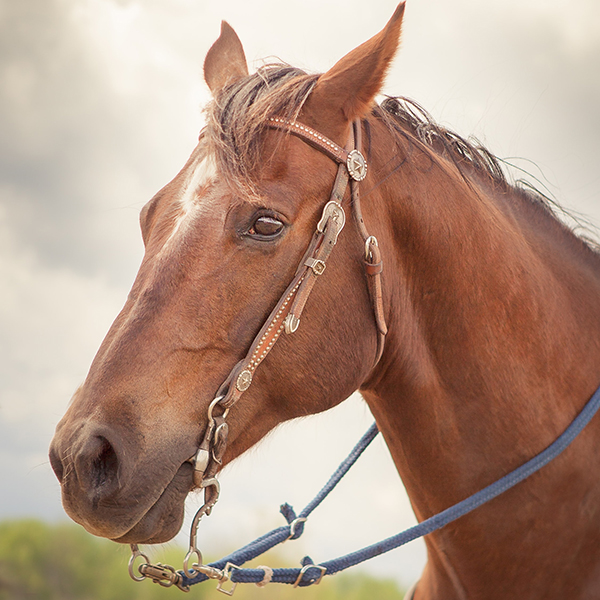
{"x": 373, "y": 260}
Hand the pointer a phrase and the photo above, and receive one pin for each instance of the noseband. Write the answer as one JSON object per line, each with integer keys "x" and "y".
{"x": 285, "y": 317}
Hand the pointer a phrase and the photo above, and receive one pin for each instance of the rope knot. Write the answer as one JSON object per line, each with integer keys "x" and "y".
{"x": 288, "y": 512}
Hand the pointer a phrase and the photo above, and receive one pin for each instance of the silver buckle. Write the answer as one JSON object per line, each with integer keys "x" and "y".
{"x": 293, "y": 525}
{"x": 304, "y": 569}
{"x": 370, "y": 241}
{"x": 316, "y": 264}
{"x": 334, "y": 213}
{"x": 227, "y": 577}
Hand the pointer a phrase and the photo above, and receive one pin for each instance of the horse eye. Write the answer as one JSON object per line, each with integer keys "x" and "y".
{"x": 266, "y": 227}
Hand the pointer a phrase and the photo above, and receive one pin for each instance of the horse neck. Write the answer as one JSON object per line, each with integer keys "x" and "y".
{"x": 492, "y": 308}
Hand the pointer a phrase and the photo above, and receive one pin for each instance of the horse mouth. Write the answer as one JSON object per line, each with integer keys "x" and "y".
{"x": 163, "y": 520}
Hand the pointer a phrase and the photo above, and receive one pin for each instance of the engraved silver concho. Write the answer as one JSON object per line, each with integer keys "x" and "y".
{"x": 244, "y": 380}
{"x": 357, "y": 165}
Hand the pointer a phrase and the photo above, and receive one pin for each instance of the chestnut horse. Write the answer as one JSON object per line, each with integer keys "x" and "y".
{"x": 492, "y": 307}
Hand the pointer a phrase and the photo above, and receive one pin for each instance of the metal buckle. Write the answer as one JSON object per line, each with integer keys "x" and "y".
{"x": 334, "y": 213}
{"x": 227, "y": 577}
{"x": 316, "y": 264}
{"x": 291, "y": 323}
{"x": 293, "y": 526}
{"x": 370, "y": 241}
{"x": 304, "y": 569}
{"x": 164, "y": 575}
{"x": 356, "y": 165}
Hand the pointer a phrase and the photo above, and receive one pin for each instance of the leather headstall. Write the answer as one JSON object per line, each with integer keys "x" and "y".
{"x": 286, "y": 314}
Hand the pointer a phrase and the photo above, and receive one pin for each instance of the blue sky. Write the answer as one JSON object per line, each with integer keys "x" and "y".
{"x": 100, "y": 105}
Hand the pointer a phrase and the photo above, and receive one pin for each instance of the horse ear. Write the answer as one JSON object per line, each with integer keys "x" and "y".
{"x": 225, "y": 62}
{"x": 349, "y": 87}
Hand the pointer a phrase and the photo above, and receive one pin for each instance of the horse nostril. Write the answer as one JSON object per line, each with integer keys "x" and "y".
{"x": 104, "y": 466}
{"x": 56, "y": 463}
{"x": 96, "y": 466}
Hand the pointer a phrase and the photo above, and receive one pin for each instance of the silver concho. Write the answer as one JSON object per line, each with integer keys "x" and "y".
{"x": 357, "y": 165}
{"x": 244, "y": 380}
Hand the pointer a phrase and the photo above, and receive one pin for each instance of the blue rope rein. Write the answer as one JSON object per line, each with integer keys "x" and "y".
{"x": 308, "y": 575}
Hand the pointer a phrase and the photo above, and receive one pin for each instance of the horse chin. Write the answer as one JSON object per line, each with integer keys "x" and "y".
{"x": 164, "y": 518}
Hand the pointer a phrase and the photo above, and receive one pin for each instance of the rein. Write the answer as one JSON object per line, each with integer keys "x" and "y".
{"x": 286, "y": 317}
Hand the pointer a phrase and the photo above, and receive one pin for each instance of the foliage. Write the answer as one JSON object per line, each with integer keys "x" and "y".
{"x": 39, "y": 561}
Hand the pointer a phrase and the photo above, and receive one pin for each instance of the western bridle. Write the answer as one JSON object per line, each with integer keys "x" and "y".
{"x": 285, "y": 317}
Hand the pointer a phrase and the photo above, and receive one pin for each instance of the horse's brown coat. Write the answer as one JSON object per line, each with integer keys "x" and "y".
{"x": 493, "y": 310}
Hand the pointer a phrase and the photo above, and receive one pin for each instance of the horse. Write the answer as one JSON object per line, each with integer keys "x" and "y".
{"x": 477, "y": 346}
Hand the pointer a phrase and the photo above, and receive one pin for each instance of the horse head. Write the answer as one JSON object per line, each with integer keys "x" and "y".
{"x": 222, "y": 241}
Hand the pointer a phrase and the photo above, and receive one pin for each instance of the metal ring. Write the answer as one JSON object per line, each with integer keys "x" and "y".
{"x": 293, "y": 526}
{"x": 371, "y": 240}
{"x": 304, "y": 569}
{"x": 191, "y": 572}
{"x": 135, "y": 553}
{"x": 212, "y": 406}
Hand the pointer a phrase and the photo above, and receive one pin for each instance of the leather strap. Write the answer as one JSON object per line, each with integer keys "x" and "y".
{"x": 373, "y": 262}
{"x": 311, "y": 136}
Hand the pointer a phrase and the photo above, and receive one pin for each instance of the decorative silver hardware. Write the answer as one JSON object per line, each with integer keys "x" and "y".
{"x": 191, "y": 572}
{"x": 356, "y": 165}
{"x": 291, "y": 323}
{"x": 244, "y": 379}
{"x": 317, "y": 265}
{"x": 304, "y": 569}
{"x": 370, "y": 241}
{"x": 333, "y": 213}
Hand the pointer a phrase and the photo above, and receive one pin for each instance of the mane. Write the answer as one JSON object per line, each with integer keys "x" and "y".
{"x": 237, "y": 119}
{"x": 472, "y": 159}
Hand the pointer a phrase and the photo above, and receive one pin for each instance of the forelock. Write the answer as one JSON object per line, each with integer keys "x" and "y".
{"x": 238, "y": 116}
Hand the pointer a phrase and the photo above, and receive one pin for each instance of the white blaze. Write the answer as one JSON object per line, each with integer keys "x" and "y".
{"x": 200, "y": 173}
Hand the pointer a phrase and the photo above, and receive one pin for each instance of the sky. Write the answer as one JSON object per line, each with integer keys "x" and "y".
{"x": 100, "y": 106}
